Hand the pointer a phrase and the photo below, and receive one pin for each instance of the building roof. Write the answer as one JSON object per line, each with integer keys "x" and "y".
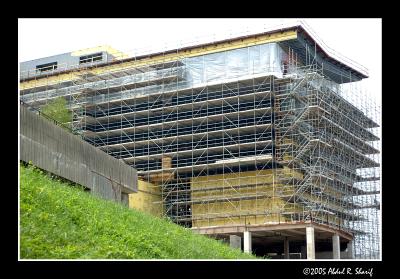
{"x": 335, "y": 63}
{"x": 305, "y": 33}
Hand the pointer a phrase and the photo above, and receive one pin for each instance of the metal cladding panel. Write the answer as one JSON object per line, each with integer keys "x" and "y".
{"x": 64, "y": 62}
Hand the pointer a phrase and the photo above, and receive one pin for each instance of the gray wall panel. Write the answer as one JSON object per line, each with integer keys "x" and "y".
{"x": 56, "y": 150}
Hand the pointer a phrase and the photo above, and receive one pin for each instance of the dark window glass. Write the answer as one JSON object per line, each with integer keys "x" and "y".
{"x": 90, "y": 58}
{"x": 46, "y": 67}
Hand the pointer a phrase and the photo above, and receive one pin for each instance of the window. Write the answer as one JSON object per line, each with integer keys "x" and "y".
{"x": 91, "y": 58}
{"x": 46, "y": 67}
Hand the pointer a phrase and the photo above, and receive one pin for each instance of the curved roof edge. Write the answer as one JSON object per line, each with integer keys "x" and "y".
{"x": 332, "y": 54}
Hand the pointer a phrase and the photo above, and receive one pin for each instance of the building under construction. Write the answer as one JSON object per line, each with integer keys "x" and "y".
{"x": 260, "y": 140}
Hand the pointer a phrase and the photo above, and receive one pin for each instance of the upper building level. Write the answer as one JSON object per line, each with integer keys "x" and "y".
{"x": 296, "y": 42}
{"x": 51, "y": 65}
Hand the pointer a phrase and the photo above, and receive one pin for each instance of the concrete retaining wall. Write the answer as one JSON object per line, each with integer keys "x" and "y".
{"x": 56, "y": 150}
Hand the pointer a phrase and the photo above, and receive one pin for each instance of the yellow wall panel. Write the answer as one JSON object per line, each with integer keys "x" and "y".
{"x": 147, "y": 199}
{"x": 263, "y": 209}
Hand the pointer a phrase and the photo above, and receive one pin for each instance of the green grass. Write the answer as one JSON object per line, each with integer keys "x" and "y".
{"x": 58, "y": 221}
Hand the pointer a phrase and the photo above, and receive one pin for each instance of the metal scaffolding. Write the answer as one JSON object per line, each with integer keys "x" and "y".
{"x": 227, "y": 145}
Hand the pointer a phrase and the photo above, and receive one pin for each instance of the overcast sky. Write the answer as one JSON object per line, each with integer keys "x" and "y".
{"x": 357, "y": 39}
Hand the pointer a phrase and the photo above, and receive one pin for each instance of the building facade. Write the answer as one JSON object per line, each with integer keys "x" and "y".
{"x": 250, "y": 137}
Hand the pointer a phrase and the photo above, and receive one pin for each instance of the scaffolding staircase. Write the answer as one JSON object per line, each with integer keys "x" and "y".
{"x": 292, "y": 127}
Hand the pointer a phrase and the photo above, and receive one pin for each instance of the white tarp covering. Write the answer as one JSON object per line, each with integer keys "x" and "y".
{"x": 265, "y": 58}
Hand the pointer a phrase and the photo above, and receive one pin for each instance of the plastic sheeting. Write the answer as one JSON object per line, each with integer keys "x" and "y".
{"x": 265, "y": 58}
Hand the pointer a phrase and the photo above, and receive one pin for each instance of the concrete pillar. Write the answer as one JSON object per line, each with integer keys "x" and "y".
{"x": 350, "y": 250}
{"x": 310, "y": 243}
{"x": 235, "y": 241}
{"x": 336, "y": 246}
{"x": 247, "y": 242}
{"x": 286, "y": 247}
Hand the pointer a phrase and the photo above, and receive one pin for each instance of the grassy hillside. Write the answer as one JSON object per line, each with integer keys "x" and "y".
{"x": 60, "y": 221}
